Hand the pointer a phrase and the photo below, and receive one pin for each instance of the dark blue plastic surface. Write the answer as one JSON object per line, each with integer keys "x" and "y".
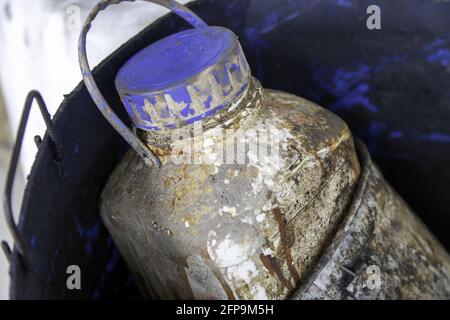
{"x": 174, "y": 60}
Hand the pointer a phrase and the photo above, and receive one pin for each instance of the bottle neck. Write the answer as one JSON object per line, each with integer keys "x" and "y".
{"x": 238, "y": 114}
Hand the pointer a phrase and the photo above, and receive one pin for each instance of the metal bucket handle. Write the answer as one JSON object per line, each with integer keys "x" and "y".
{"x": 147, "y": 155}
{"x": 58, "y": 155}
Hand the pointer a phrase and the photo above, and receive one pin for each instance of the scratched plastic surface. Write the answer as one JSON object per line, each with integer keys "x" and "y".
{"x": 220, "y": 228}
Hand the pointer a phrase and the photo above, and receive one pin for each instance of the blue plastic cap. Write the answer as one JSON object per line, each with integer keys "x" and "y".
{"x": 183, "y": 78}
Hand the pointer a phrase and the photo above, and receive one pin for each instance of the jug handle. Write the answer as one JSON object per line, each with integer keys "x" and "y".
{"x": 147, "y": 155}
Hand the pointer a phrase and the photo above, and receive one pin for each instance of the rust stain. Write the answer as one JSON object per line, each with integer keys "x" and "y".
{"x": 219, "y": 276}
{"x": 271, "y": 264}
{"x": 291, "y": 266}
{"x": 186, "y": 289}
{"x": 224, "y": 284}
{"x": 160, "y": 152}
{"x": 287, "y": 244}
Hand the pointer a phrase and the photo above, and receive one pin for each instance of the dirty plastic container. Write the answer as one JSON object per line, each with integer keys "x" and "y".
{"x": 248, "y": 183}
{"x": 233, "y": 191}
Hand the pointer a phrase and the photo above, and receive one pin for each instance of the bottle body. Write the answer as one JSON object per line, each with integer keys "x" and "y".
{"x": 221, "y": 229}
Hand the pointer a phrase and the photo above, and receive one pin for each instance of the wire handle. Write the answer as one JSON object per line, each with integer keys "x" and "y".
{"x": 9, "y": 216}
{"x": 147, "y": 155}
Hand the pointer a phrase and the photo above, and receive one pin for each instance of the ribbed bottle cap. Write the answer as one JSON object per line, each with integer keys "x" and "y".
{"x": 183, "y": 78}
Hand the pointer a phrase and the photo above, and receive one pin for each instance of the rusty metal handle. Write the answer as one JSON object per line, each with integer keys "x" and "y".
{"x": 147, "y": 155}
{"x": 32, "y": 96}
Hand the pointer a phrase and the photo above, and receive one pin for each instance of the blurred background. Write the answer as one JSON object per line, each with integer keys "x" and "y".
{"x": 5, "y": 153}
{"x": 38, "y": 50}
